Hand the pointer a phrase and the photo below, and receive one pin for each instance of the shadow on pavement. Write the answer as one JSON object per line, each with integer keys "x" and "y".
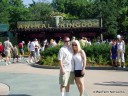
{"x": 107, "y": 68}
{"x": 113, "y": 83}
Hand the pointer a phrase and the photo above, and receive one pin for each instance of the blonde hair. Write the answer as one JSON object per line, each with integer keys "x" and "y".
{"x": 78, "y": 46}
{"x": 79, "y": 50}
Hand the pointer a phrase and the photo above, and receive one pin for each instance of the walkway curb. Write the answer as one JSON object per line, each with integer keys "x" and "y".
{"x": 44, "y": 66}
{"x": 88, "y": 68}
{"x": 4, "y": 89}
{"x": 106, "y": 68}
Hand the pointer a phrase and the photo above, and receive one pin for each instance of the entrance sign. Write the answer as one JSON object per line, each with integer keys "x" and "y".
{"x": 80, "y": 23}
{"x": 95, "y": 23}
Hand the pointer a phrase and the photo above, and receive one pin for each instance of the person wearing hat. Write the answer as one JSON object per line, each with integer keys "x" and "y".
{"x": 21, "y": 46}
{"x": 120, "y": 51}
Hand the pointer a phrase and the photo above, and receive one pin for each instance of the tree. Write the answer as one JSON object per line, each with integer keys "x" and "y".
{"x": 40, "y": 10}
{"x": 4, "y": 13}
{"x": 18, "y": 11}
{"x": 105, "y": 9}
{"x": 123, "y": 18}
{"x": 73, "y": 7}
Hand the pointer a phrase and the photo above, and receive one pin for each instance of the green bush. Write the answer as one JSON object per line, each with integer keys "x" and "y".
{"x": 50, "y": 56}
{"x": 96, "y": 54}
{"x": 51, "y": 51}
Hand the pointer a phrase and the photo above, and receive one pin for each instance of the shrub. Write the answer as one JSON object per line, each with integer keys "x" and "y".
{"x": 51, "y": 51}
{"x": 96, "y": 54}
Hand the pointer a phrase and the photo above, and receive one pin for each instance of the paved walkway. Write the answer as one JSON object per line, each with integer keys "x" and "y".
{"x": 25, "y": 80}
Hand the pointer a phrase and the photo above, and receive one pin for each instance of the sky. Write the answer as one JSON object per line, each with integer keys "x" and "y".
{"x": 26, "y": 2}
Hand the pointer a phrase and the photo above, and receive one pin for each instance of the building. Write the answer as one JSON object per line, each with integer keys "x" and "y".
{"x": 57, "y": 27}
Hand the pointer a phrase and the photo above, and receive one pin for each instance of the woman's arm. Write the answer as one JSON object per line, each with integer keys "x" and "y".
{"x": 83, "y": 55}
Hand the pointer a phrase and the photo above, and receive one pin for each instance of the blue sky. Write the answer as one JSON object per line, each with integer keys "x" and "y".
{"x": 26, "y": 2}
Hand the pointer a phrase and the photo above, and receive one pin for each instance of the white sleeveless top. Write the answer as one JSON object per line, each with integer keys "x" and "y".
{"x": 78, "y": 61}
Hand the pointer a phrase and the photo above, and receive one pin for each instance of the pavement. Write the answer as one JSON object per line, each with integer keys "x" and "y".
{"x": 25, "y": 80}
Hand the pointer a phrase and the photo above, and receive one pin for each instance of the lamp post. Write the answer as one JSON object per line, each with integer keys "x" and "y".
{"x": 101, "y": 26}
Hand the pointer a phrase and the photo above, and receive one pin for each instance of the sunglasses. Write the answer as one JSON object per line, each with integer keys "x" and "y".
{"x": 74, "y": 44}
{"x": 67, "y": 41}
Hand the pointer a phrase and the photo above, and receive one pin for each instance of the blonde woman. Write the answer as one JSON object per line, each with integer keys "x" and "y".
{"x": 79, "y": 61}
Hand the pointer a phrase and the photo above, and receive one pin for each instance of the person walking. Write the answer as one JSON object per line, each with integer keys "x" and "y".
{"x": 66, "y": 76}
{"x": 32, "y": 53}
{"x": 79, "y": 60}
{"x": 7, "y": 50}
{"x": 1, "y": 51}
{"x": 15, "y": 54}
{"x": 37, "y": 49}
{"x": 120, "y": 51}
{"x": 21, "y": 46}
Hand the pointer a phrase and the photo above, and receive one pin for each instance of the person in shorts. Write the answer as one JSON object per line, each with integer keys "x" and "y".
{"x": 15, "y": 53}
{"x": 120, "y": 51}
{"x": 66, "y": 76}
{"x": 7, "y": 50}
{"x": 21, "y": 46}
{"x": 79, "y": 61}
{"x": 32, "y": 53}
{"x": 37, "y": 49}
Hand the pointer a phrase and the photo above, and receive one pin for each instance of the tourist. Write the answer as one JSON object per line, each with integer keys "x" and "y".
{"x": 66, "y": 69}
{"x": 89, "y": 42}
{"x": 32, "y": 53}
{"x": 60, "y": 42}
{"x": 1, "y": 51}
{"x": 83, "y": 41}
{"x": 37, "y": 49}
{"x": 52, "y": 43}
{"x": 21, "y": 46}
{"x": 79, "y": 60}
{"x": 113, "y": 53}
{"x": 120, "y": 51}
{"x": 15, "y": 54}
{"x": 44, "y": 45}
{"x": 73, "y": 38}
{"x": 29, "y": 53}
{"x": 7, "y": 50}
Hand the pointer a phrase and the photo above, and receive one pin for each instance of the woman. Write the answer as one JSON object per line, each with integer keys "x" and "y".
{"x": 113, "y": 53}
{"x": 79, "y": 61}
